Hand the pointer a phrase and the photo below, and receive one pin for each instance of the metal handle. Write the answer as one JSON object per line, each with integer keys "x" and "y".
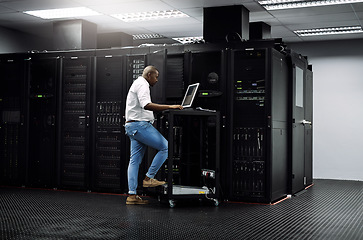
{"x": 306, "y": 122}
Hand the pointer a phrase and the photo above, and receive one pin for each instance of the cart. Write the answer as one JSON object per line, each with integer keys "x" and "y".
{"x": 192, "y": 167}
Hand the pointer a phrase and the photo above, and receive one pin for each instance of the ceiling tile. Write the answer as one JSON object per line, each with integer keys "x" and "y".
{"x": 319, "y": 20}
{"x": 312, "y": 11}
{"x": 282, "y": 22}
{"x": 24, "y": 5}
{"x": 133, "y": 7}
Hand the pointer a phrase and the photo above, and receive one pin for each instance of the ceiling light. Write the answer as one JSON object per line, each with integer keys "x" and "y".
{"x": 186, "y": 40}
{"x": 329, "y": 31}
{"x": 147, "y": 16}
{"x": 147, "y": 36}
{"x": 63, "y": 13}
{"x": 286, "y": 4}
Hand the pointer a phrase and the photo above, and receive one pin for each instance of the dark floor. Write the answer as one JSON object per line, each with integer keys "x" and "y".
{"x": 330, "y": 209}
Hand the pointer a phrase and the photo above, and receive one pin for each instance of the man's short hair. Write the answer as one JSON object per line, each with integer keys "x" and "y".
{"x": 149, "y": 69}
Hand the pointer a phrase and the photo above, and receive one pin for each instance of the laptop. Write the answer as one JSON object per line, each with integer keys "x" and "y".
{"x": 190, "y": 95}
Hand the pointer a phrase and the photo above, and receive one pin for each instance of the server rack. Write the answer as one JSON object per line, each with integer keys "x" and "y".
{"x": 135, "y": 65}
{"x": 75, "y": 122}
{"x": 207, "y": 65}
{"x": 13, "y": 115}
{"x": 258, "y": 131}
{"x": 169, "y": 89}
{"x": 44, "y": 75}
{"x": 108, "y": 168}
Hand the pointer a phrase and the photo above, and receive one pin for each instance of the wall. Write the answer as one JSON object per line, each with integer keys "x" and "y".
{"x": 338, "y": 110}
{"x": 12, "y": 41}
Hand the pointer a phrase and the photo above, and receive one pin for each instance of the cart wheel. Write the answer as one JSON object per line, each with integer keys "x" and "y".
{"x": 172, "y": 203}
{"x": 216, "y": 202}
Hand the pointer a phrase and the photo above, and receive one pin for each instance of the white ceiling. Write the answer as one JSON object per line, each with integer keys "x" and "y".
{"x": 282, "y": 22}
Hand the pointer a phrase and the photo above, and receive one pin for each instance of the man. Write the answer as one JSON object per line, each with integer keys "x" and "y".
{"x": 139, "y": 118}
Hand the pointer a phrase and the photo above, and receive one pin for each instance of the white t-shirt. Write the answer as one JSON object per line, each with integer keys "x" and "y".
{"x": 137, "y": 98}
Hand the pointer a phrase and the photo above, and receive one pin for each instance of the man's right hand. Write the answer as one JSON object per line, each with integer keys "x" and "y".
{"x": 176, "y": 107}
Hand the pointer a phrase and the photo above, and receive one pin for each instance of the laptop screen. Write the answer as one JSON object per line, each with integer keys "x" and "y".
{"x": 190, "y": 95}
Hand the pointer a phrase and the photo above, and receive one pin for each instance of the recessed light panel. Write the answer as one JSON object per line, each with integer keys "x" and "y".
{"x": 329, "y": 31}
{"x": 186, "y": 40}
{"x": 63, "y": 13}
{"x": 147, "y": 16}
{"x": 286, "y": 4}
{"x": 147, "y": 36}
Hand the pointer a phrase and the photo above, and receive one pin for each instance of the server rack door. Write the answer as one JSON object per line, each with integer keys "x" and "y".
{"x": 208, "y": 67}
{"x": 135, "y": 65}
{"x": 109, "y": 172}
{"x": 250, "y": 136}
{"x": 13, "y": 113}
{"x": 308, "y": 92}
{"x": 42, "y": 121}
{"x": 298, "y": 122}
{"x": 278, "y": 172}
{"x": 75, "y": 114}
{"x": 259, "y": 125}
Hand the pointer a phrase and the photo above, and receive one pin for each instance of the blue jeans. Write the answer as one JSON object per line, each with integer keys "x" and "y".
{"x": 143, "y": 134}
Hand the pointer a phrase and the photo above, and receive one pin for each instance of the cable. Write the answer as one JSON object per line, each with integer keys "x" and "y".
{"x": 235, "y": 35}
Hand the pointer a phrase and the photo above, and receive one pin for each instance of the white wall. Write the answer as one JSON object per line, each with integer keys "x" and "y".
{"x": 338, "y": 107}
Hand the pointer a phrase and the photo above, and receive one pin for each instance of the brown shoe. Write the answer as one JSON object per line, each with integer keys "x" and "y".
{"x": 135, "y": 199}
{"x": 152, "y": 183}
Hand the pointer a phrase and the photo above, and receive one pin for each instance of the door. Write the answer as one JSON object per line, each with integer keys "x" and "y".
{"x": 12, "y": 120}
{"x": 298, "y": 128}
{"x": 308, "y": 128}
{"x": 75, "y": 114}
{"x": 43, "y": 79}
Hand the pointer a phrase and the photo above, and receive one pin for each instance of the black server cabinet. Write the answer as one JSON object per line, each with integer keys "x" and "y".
{"x": 208, "y": 67}
{"x": 300, "y": 155}
{"x": 13, "y": 112}
{"x": 75, "y": 122}
{"x": 170, "y": 75}
{"x": 43, "y": 80}
{"x": 168, "y": 90}
{"x": 175, "y": 78}
{"x": 170, "y": 86}
{"x": 109, "y": 166}
{"x": 135, "y": 65}
{"x": 258, "y": 132}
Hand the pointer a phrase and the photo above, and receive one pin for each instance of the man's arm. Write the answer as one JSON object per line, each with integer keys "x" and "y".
{"x": 161, "y": 107}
